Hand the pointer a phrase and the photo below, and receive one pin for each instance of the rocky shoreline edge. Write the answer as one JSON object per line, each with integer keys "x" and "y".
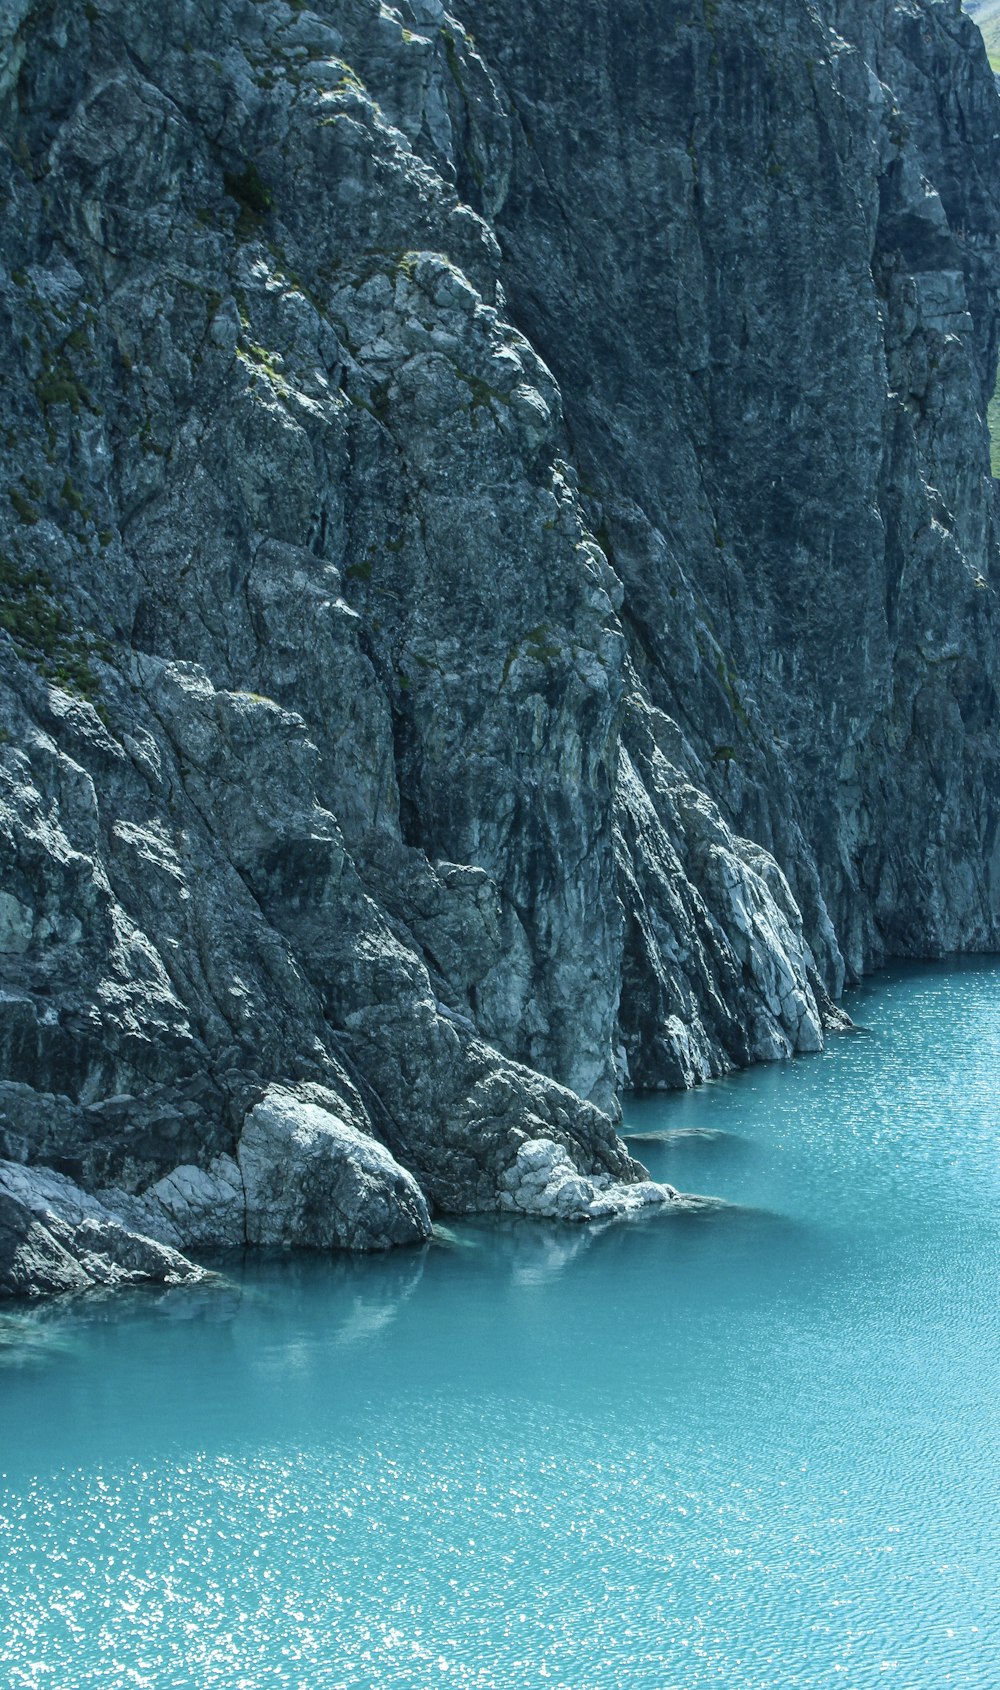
{"x": 301, "y": 1175}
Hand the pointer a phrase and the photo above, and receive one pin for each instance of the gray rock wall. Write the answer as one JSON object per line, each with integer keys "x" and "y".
{"x": 776, "y": 345}
{"x": 498, "y": 578}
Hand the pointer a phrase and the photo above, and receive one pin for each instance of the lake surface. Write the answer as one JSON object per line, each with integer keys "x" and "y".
{"x": 755, "y": 1448}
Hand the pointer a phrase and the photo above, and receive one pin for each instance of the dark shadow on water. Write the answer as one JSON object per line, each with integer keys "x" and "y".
{"x": 678, "y": 1135}
{"x": 39, "y": 1328}
{"x": 362, "y": 1297}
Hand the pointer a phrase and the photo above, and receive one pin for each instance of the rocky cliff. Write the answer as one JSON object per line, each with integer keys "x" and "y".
{"x": 498, "y": 588}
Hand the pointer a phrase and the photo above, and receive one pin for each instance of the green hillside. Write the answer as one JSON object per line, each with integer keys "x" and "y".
{"x": 993, "y": 420}
{"x": 987, "y": 16}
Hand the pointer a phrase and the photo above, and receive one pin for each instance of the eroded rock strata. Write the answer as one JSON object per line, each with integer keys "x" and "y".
{"x": 498, "y": 588}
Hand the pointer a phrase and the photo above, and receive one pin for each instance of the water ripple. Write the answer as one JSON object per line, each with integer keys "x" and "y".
{"x": 754, "y": 1449}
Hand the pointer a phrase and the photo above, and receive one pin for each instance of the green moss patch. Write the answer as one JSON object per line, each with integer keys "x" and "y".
{"x": 993, "y": 420}
{"x": 253, "y": 196}
{"x": 42, "y": 631}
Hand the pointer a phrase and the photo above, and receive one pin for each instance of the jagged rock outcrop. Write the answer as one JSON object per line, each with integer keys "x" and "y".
{"x": 55, "y": 1238}
{"x": 498, "y": 550}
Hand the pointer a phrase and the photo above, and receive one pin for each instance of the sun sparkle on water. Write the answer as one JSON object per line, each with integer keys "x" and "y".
{"x": 750, "y": 1449}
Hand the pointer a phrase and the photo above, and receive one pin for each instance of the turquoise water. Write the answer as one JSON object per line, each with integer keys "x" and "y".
{"x": 755, "y": 1448}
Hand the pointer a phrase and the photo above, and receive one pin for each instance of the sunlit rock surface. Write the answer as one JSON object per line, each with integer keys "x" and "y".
{"x": 55, "y": 1238}
{"x": 309, "y": 1175}
{"x": 498, "y": 574}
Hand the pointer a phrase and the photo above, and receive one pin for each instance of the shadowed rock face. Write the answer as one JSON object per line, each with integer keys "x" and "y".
{"x": 498, "y": 579}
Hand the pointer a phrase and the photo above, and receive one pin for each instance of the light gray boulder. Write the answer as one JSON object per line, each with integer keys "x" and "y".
{"x": 311, "y": 1178}
{"x": 543, "y": 1181}
{"x": 192, "y": 1207}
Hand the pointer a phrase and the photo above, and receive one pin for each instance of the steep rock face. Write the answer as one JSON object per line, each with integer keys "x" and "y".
{"x": 776, "y": 344}
{"x": 497, "y": 546}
